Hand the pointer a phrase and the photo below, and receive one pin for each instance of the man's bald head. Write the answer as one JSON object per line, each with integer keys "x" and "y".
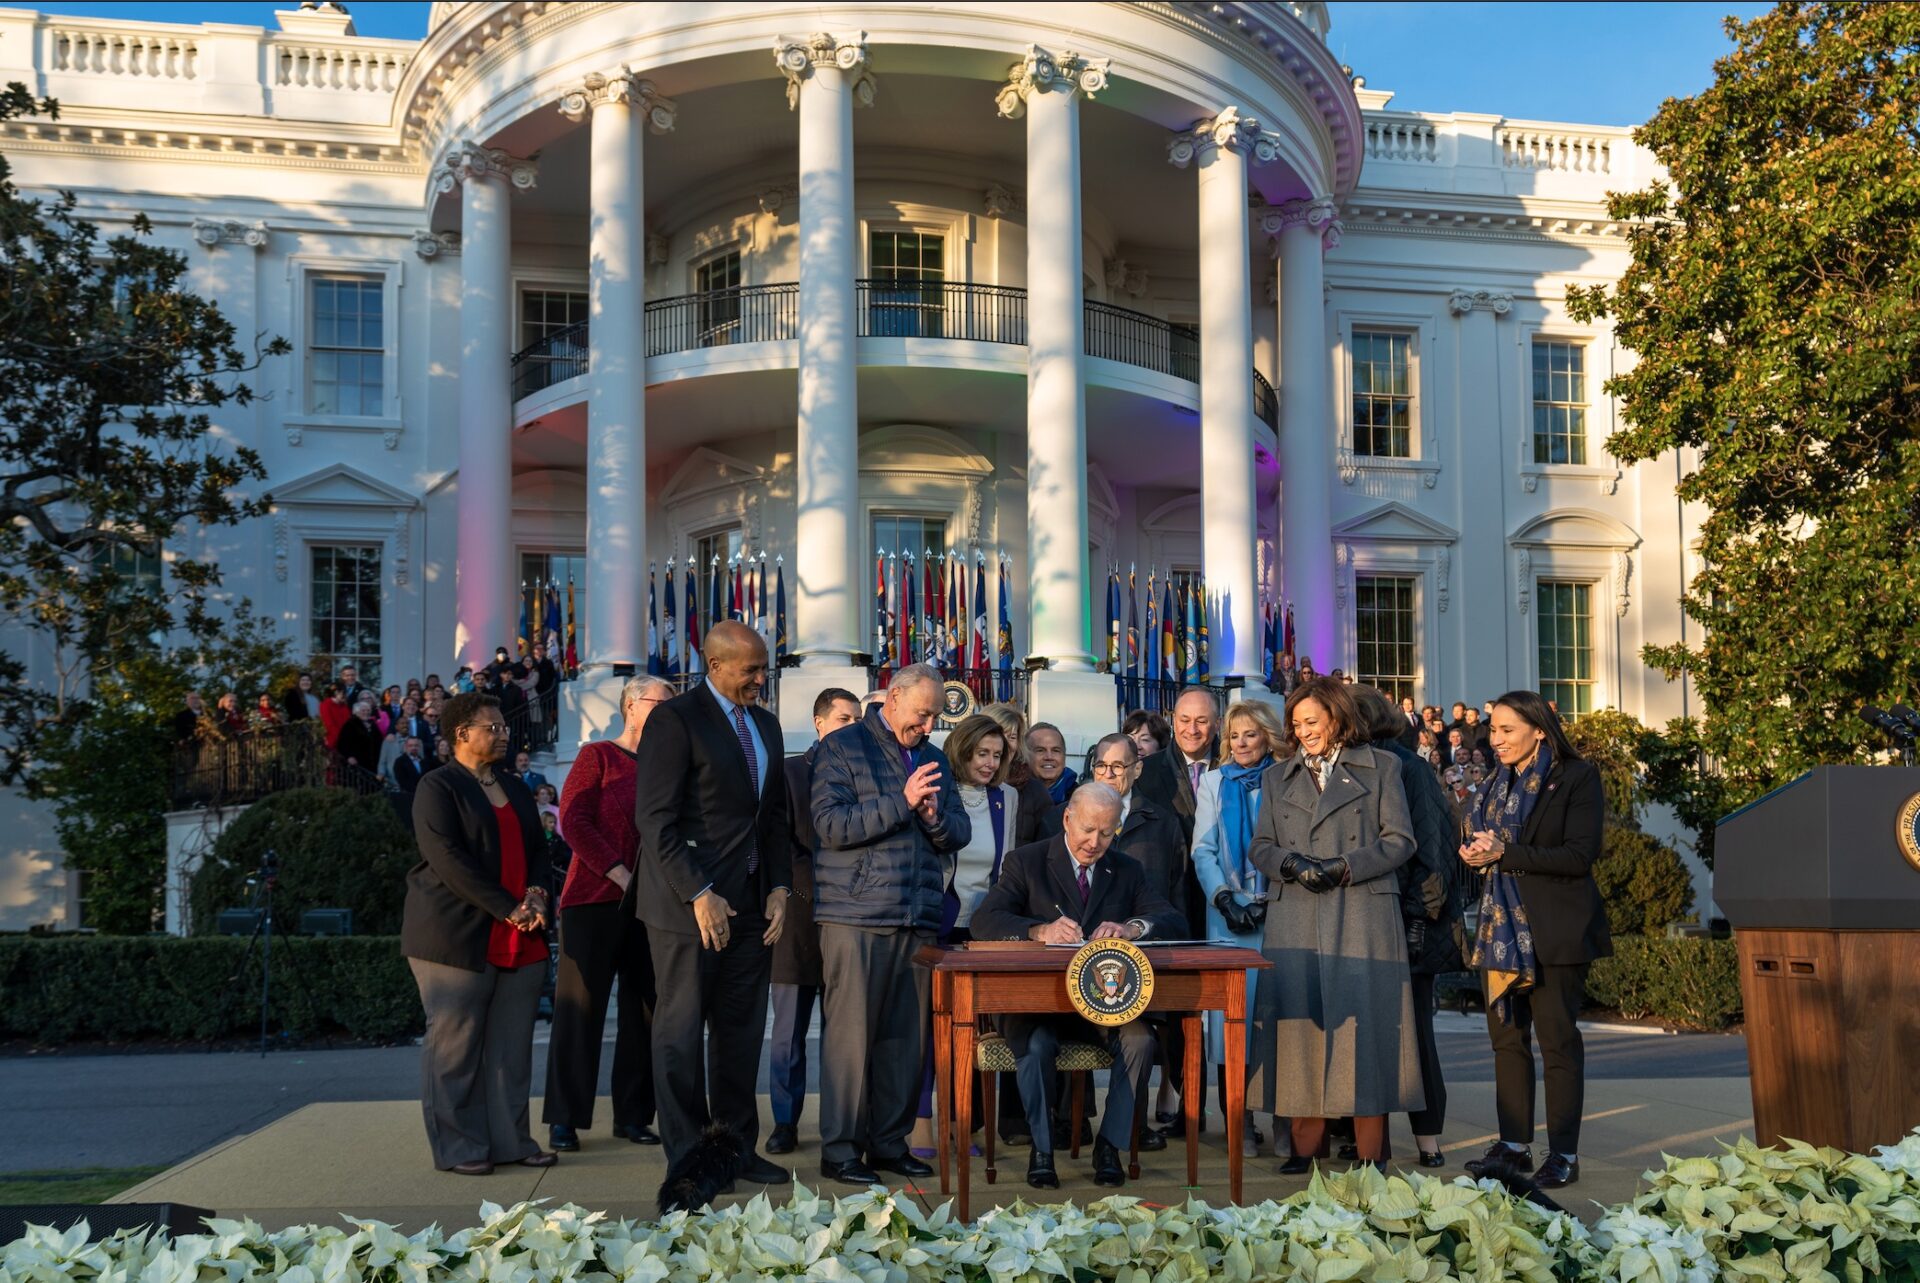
{"x": 736, "y": 661}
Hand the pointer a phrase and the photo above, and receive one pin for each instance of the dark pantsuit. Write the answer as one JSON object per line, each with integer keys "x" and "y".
{"x": 599, "y": 942}
{"x": 476, "y": 1062}
{"x": 787, "y": 1052}
{"x": 721, "y": 995}
{"x": 878, "y": 1005}
{"x": 1552, "y": 1010}
{"x": 1035, "y": 1042}
{"x": 1432, "y": 1120}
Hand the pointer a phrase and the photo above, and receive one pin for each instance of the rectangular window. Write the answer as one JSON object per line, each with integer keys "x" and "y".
{"x": 347, "y": 347}
{"x": 1559, "y": 402}
{"x": 907, "y": 294}
{"x": 1382, "y": 394}
{"x": 713, "y": 554}
{"x": 344, "y": 622}
{"x": 1566, "y": 646}
{"x": 545, "y": 312}
{"x": 1384, "y": 628}
{"x": 717, "y": 282}
{"x": 895, "y": 537}
{"x": 137, "y": 576}
{"x": 545, "y": 614}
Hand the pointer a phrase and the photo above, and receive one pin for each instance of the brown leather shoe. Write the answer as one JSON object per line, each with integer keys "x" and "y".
{"x": 541, "y": 1158}
{"x": 478, "y": 1167}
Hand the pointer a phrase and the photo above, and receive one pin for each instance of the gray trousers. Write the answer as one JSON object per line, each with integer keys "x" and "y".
{"x": 476, "y": 1062}
{"x": 878, "y": 1005}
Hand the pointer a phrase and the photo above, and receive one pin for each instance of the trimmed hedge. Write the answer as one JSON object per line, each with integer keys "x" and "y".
{"x": 1645, "y": 884}
{"x": 337, "y": 850}
{"x": 158, "y": 988}
{"x": 1688, "y": 982}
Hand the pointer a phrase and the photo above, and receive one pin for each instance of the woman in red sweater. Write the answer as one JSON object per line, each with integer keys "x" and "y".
{"x": 600, "y": 938}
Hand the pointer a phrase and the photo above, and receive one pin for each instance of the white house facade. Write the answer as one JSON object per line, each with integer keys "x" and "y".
{"x": 577, "y": 290}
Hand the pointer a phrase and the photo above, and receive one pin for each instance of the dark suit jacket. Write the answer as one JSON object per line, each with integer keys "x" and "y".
{"x": 1038, "y": 881}
{"x": 698, "y": 815}
{"x": 406, "y": 775}
{"x": 1553, "y": 864}
{"x": 1163, "y": 781}
{"x": 796, "y": 957}
{"x": 1151, "y": 835}
{"x": 454, "y": 894}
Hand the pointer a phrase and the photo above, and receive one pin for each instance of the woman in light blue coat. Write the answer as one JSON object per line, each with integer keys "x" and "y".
{"x": 1225, "y": 806}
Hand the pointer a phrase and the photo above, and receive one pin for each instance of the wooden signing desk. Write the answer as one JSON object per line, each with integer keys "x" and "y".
{"x": 1031, "y": 980}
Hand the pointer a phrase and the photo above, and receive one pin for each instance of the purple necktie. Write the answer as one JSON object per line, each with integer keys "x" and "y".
{"x": 1193, "y": 775}
{"x": 753, "y": 774}
{"x": 1085, "y": 889}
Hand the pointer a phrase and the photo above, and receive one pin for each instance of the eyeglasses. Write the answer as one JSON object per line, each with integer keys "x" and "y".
{"x": 1111, "y": 768}
{"x": 490, "y": 728}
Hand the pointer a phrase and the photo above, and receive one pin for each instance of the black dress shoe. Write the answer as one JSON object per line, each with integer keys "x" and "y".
{"x": 1499, "y": 1157}
{"x": 902, "y": 1164}
{"x": 1040, "y": 1173}
{"x": 1432, "y": 1158}
{"x": 1151, "y": 1140}
{"x": 1348, "y": 1152}
{"x": 851, "y": 1172}
{"x": 1556, "y": 1172}
{"x": 478, "y": 1167}
{"x": 638, "y": 1133}
{"x": 1107, "y": 1170}
{"x": 539, "y": 1158}
{"x": 755, "y": 1170}
{"x": 783, "y": 1140}
{"x": 562, "y": 1138}
{"x": 1297, "y": 1165}
{"x": 1164, "y": 1118}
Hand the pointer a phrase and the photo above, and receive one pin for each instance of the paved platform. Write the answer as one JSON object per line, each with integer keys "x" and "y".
{"x": 369, "y": 1158}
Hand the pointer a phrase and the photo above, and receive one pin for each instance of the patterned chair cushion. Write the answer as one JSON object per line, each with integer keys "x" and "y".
{"x": 992, "y": 1055}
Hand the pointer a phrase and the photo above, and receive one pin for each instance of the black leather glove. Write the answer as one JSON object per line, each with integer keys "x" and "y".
{"x": 1291, "y": 865}
{"x": 1416, "y": 938}
{"x": 1240, "y": 918}
{"x": 1320, "y": 876}
{"x": 1433, "y": 895}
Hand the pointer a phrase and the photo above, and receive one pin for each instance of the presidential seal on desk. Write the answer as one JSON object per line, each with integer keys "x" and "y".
{"x": 1109, "y": 982}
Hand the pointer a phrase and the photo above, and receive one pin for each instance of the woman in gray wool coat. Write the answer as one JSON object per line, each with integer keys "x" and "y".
{"x": 1333, "y": 1030}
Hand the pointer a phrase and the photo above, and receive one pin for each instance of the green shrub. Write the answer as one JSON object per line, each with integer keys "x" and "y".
{"x": 159, "y": 988}
{"x": 337, "y": 850}
{"x": 1645, "y": 885}
{"x": 1689, "y": 982}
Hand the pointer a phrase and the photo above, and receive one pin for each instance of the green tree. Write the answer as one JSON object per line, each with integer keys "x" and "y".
{"x": 111, "y": 377}
{"x": 1772, "y": 307}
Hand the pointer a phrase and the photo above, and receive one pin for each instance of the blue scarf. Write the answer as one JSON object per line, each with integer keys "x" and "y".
{"x": 1239, "y": 786}
{"x": 1503, "y": 945}
{"x": 1062, "y": 787}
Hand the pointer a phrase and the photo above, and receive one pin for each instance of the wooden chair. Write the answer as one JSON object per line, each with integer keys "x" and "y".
{"x": 993, "y": 1057}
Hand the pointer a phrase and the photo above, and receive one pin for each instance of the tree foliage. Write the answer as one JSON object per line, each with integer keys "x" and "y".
{"x": 336, "y": 849}
{"x": 1644, "y": 883}
{"x": 112, "y": 374}
{"x": 1773, "y": 304}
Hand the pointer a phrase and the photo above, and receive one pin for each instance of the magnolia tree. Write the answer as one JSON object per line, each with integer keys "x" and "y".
{"x": 112, "y": 377}
{"x": 1771, "y": 305}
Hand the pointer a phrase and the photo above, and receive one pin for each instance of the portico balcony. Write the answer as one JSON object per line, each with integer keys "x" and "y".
{"x": 950, "y": 310}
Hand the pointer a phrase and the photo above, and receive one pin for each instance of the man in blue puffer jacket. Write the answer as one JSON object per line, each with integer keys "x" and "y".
{"x": 888, "y": 816}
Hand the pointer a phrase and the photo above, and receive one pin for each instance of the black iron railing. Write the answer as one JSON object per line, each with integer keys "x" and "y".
{"x": 721, "y": 318}
{"x": 1266, "y": 402}
{"x": 941, "y": 310}
{"x": 552, "y": 359}
{"x": 1155, "y": 694}
{"x": 234, "y": 770}
{"x": 888, "y": 309}
{"x": 1122, "y": 334}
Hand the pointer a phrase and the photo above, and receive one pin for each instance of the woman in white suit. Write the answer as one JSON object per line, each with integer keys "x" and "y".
{"x": 1225, "y": 806}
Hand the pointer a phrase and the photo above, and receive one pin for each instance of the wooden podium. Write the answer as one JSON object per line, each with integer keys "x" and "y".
{"x": 1825, "y": 906}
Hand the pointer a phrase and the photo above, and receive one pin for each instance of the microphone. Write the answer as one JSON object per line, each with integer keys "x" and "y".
{"x": 1907, "y": 715}
{"x": 1887, "y": 724}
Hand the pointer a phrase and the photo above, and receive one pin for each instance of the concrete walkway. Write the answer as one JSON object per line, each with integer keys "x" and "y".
{"x": 369, "y": 1158}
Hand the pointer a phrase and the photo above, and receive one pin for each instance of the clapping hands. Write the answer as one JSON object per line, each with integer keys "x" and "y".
{"x": 1486, "y": 848}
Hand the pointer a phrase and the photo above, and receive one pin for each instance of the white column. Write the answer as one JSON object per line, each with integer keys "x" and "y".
{"x": 1047, "y": 91}
{"x": 616, "y": 542}
{"x": 825, "y": 77}
{"x": 1479, "y": 349}
{"x": 1306, "y": 228}
{"x": 1219, "y": 146}
{"x": 483, "y": 562}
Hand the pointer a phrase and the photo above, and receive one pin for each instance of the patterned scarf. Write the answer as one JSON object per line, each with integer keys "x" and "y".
{"x": 1239, "y": 787}
{"x": 1320, "y": 767}
{"x": 1503, "y": 945}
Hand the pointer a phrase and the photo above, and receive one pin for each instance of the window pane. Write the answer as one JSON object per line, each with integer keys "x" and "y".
{"x": 1566, "y": 659}
{"x": 1384, "y": 627}
{"x": 1559, "y": 402}
{"x": 1382, "y": 399}
{"x": 345, "y": 620}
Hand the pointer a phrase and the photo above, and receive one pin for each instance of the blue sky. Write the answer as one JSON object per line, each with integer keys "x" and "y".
{"x": 1597, "y": 64}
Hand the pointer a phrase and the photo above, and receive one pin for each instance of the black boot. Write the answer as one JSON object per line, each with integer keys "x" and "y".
{"x": 1040, "y": 1173}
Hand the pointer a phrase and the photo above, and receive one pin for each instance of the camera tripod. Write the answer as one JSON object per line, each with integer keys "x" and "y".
{"x": 264, "y": 881}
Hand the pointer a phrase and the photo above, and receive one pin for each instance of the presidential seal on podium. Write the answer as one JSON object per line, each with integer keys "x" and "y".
{"x": 1907, "y": 831}
{"x": 1109, "y": 982}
